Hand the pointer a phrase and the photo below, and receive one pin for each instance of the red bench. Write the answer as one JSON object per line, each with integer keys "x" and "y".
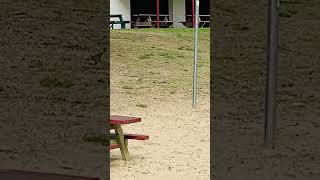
{"x": 114, "y": 119}
{"x": 120, "y": 139}
{"x": 132, "y": 136}
{"x": 129, "y": 136}
{"x": 113, "y": 146}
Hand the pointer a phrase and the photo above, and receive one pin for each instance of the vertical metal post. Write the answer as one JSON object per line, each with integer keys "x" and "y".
{"x": 271, "y": 88}
{"x": 158, "y": 13}
{"x": 194, "y": 83}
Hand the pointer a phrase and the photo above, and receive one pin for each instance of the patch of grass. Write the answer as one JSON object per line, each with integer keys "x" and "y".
{"x": 142, "y": 105}
{"x": 146, "y": 56}
{"x": 180, "y": 56}
{"x": 54, "y": 82}
{"x": 181, "y": 47}
{"x": 179, "y": 35}
{"x": 182, "y": 82}
{"x": 165, "y": 54}
{"x": 189, "y": 48}
{"x": 127, "y": 87}
{"x": 129, "y": 92}
{"x": 173, "y": 91}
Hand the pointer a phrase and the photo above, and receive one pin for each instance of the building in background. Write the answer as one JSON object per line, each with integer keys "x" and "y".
{"x": 178, "y": 13}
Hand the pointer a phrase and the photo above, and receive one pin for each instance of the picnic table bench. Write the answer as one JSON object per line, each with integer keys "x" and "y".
{"x": 151, "y": 23}
{"x": 163, "y": 23}
{"x": 120, "y": 139}
{"x": 11, "y": 174}
{"x": 121, "y": 21}
{"x": 202, "y": 23}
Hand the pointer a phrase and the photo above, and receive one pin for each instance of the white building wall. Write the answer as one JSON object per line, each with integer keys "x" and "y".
{"x": 121, "y": 7}
{"x": 177, "y": 9}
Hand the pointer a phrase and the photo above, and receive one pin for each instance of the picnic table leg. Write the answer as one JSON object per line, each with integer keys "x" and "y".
{"x": 123, "y": 25}
{"x": 122, "y": 142}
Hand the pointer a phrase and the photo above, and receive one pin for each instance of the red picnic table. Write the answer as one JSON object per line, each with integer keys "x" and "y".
{"x": 120, "y": 139}
{"x": 10, "y": 174}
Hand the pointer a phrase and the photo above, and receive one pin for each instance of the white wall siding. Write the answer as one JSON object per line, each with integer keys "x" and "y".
{"x": 121, "y": 7}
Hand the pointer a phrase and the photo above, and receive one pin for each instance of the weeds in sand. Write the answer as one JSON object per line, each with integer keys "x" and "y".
{"x": 142, "y": 105}
{"x": 181, "y": 47}
{"x": 146, "y": 56}
{"x": 180, "y": 56}
{"x": 189, "y": 48}
{"x": 179, "y": 35}
{"x": 173, "y": 91}
{"x": 126, "y": 87}
{"x": 167, "y": 55}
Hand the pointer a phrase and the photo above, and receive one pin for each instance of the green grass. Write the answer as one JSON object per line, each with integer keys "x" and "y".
{"x": 154, "y": 55}
{"x": 146, "y": 56}
{"x": 142, "y": 105}
{"x": 127, "y": 87}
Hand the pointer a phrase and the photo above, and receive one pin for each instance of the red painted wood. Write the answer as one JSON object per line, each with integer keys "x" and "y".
{"x": 134, "y": 136}
{"x": 115, "y": 119}
{"x": 114, "y": 146}
{"x": 10, "y": 174}
{"x": 158, "y": 13}
{"x": 193, "y": 18}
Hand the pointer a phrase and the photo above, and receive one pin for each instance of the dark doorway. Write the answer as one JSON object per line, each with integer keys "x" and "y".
{"x": 204, "y": 8}
{"x": 141, "y": 10}
{"x": 148, "y": 7}
{"x": 204, "y": 12}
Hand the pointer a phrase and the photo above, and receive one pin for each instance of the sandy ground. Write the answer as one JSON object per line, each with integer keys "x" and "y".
{"x": 178, "y": 147}
{"x": 42, "y": 122}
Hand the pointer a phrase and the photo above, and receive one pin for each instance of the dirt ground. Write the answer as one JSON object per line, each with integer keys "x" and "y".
{"x": 238, "y": 81}
{"x": 151, "y": 76}
{"x": 52, "y": 86}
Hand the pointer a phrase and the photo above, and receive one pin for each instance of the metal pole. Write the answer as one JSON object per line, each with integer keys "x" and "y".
{"x": 271, "y": 88}
{"x": 158, "y": 13}
{"x": 194, "y": 83}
